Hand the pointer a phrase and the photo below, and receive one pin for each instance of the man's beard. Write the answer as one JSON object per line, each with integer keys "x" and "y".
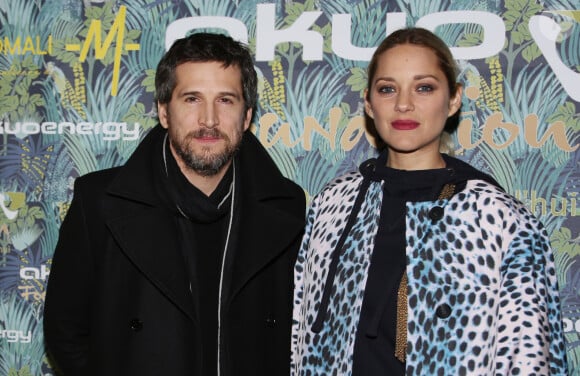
{"x": 206, "y": 163}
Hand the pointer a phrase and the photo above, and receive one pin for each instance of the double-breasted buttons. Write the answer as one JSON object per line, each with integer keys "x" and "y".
{"x": 436, "y": 213}
{"x": 369, "y": 166}
{"x": 443, "y": 311}
{"x": 136, "y": 325}
{"x": 270, "y": 321}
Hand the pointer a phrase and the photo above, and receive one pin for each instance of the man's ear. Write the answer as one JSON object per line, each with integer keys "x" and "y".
{"x": 248, "y": 119}
{"x": 162, "y": 114}
{"x": 455, "y": 101}
{"x": 368, "y": 108}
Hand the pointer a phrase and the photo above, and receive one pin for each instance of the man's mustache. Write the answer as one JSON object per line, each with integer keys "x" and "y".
{"x": 207, "y": 132}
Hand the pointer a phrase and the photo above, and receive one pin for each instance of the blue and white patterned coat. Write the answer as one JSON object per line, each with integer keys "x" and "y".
{"x": 486, "y": 258}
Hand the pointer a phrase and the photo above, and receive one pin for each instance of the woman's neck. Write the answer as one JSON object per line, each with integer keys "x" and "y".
{"x": 415, "y": 161}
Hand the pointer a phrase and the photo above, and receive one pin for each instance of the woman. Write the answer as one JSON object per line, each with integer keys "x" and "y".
{"x": 419, "y": 264}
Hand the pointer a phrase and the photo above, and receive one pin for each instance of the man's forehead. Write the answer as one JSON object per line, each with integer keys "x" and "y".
{"x": 208, "y": 77}
{"x": 210, "y": 70}
{"x": 213, "y": 63}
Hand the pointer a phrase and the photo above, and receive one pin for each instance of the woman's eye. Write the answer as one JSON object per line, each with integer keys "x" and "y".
{"x": 386, "y": 89}
{"x": 425, "y": 88}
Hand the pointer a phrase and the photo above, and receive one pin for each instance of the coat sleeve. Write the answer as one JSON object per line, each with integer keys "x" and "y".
{"x": 529, "y": 329}
{"x": 298, "y": 319}
{"x": 67, "y": 310}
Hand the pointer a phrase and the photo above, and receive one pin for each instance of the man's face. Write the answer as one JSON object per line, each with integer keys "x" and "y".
{"x": 205, "y": 117}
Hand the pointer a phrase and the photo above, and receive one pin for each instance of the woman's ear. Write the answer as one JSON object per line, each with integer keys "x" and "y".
{"x": 368, "y": 108}
{"x": 455, "y": 101}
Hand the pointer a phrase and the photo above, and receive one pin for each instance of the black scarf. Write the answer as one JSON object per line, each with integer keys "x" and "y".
{"x": 190, "y": 201}
{"x": 204, "y": 226}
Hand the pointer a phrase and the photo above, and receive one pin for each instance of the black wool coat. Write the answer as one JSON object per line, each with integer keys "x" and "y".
{"x": 118, "y": 300}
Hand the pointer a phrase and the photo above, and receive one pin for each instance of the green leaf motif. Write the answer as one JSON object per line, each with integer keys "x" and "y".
{"x": 326, "y": 32}
{"x": 9, "y": 103}
{"x": 62, "y": 54}
{"x": 470, "y": 40}
{"x": 357, "y": 80}
{"x": 561, "y": 240}
{"x": 510, "y": 17}
{"x": 136, "y": 114}
{"x": 36, "y": 100}
{"x": 284, "y": 47}
{"x": 517, "y": 4}
{"x": 25, "y": 371}
{"x": 93, "y": 13}
{"x": 345, "y": 107}
{"x": 533, "y": 9}
{"x": 531, "y": 53}
{"x": 295, "y": 9}
{"x": 36, "y": 212}
{"x": 22, "y": 90}
{"x": 519, "y": 12}
{"x": 131, "y": 35}
{"x": 566, "y": 113}
{"x": 517, "y": 38}
{"x": 525, "y": 31}
{"x": 29, "y": 64}
{"x": 149, "y": 81}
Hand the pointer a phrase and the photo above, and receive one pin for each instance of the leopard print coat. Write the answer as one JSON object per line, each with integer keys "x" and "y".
{"x": 482, "y": 287}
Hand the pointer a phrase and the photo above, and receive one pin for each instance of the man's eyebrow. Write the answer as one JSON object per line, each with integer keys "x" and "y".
{"x": 220, "y": 94}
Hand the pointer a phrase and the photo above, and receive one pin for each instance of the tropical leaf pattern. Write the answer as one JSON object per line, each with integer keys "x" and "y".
{"x": 76, "y": 95}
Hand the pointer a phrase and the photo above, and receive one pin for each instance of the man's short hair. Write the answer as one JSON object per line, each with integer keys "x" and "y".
{"x": 206, "y": 47}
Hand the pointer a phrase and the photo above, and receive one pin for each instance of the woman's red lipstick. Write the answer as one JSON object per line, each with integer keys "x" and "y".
{"x": 405, "y": 125}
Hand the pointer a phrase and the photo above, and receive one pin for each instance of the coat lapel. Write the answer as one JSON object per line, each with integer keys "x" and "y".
{"x": 151, "y": 242}
{"x": 271, "y": 216}
{"x": 265, "y": 233}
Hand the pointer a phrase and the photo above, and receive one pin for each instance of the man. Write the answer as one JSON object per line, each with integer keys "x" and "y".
{"x": 180, "y": 262}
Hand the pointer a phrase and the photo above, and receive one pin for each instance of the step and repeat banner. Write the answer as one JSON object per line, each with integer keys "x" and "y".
{"x": 76, "y": 95}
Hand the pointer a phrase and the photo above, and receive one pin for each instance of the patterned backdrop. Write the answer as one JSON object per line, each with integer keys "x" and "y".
{"x": 76, "y": 95}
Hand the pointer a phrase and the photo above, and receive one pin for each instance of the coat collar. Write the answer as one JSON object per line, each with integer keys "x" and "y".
{"x": 261, "y": 178}
{"x": 136, "y": 178}
{"x": 272, "y": 209}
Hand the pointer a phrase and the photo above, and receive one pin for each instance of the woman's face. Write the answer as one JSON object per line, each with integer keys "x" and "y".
{"x": 409, "y": 101}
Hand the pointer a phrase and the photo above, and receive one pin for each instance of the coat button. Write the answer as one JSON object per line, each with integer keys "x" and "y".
{"x": 436, "y": 213}
{"x": 368, "y": 167}
{"x": 136, "y": 325}
{"x": 443, "y": 311}
{"x": 270, "y": 321}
